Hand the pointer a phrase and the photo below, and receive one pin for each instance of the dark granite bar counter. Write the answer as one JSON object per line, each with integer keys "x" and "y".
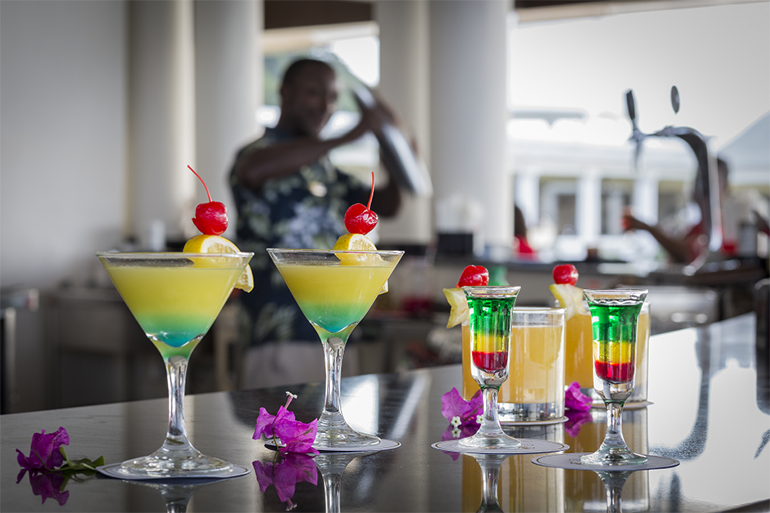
{"x": 710, "y": 410}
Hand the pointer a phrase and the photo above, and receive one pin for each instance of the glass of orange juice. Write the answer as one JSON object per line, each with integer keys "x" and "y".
{"x": 578, "y": 352}
{"x": 534, "y": 390}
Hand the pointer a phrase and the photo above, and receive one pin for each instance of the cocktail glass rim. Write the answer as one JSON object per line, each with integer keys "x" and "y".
{"x": 392, "y": 252}
{"x": 163, "y": 255}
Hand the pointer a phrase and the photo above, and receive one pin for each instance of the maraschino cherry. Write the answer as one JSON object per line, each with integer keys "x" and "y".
{"x": 565, "y": 274}
{"x": 210, "y": 218}
{"x": 358, "y": 218}
{"x": 474, "y": 276}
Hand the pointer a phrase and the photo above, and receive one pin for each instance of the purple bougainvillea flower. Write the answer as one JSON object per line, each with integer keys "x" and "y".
{"x": 461, "y": 413}
{"x": 44, "y": 451}
{"x": 266, "y": 422}
{"x": 575, "y": 419}
{"x": 289, "y": 434}
{"x": 292, "y": 469}
{"x": 296, "y": 437}
{"x": 574, "y": 399}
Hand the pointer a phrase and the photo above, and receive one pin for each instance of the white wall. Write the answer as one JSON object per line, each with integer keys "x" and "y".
{"x": 62, "y": 138}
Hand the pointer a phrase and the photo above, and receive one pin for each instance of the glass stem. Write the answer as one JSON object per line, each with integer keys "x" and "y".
{"x": 176, "y": 372}
{"x": 490, "y": 423}
{"x": 613, "y": 439}
{"x": 334, "y": 348}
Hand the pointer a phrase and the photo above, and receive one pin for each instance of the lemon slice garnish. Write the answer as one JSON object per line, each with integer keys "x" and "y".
{"x": 357, "y": 242}
{"x": 216, "y": 244}
{"x": 354, "y": 242}
{"x": 570, "y": 298}
{"x": 459, "y": 304}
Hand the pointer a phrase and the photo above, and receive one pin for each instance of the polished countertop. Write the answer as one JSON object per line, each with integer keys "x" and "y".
{"x": 710, "y": 410}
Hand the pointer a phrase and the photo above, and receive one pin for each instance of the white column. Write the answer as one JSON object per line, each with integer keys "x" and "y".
{"x": 161, "y": 116}
{"x": 645, "y": 198}
{"x": 527, "y": 194}
{"x": 404, "y": 84}
{"x": 588, "y": 206}
{"x": 468, "y": 113}
{"x": 228, "y": 89}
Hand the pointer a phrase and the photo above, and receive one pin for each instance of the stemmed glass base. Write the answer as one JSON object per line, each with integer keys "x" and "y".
{"x": 333, "y": 431}
{"x": 614, "y": 451}
{"x": 490, "y": 434}
{"x": 175, "y": 463}
{"x": 176, "y": 457}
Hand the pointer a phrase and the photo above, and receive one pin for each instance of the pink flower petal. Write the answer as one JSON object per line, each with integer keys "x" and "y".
{"x": 475, "y": 407}
{"x": 44, "y": 450}
{"x": 297, "y": 437}
{"x": 574, "y": 399}
{"x": 264, "y": 425}
{"x": 452, "y": 404}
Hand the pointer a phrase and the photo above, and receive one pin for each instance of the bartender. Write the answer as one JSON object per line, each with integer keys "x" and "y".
{"x": 289, "y": 195}
{"x": 685, "y": 249}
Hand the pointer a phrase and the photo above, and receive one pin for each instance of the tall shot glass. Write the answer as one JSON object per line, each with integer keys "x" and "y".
{"x": 490, "y": 309}
{"x": 614, "y": 316}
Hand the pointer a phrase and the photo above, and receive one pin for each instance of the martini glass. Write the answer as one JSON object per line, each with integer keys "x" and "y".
{"x": 491, "y": 315}
{"x": 175, "y": 298}
{"x": 614, "y": 315}
{"x": 334, "y": 290}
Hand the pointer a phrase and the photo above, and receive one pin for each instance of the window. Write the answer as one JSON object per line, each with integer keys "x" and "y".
{"x": 558, "y": 200}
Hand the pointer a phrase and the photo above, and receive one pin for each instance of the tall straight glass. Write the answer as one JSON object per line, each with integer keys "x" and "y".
{"x": 534, "y": 390}
{"x": 175, "y": 298}
{"x": 491, "y": 310}
{"x": 334, "y": 290}
{"x": 614, "y": 316}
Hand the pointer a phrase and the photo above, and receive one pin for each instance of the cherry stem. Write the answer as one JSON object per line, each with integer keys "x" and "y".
{"x": 371, "y": 194}
{"x": 207, "y": 189}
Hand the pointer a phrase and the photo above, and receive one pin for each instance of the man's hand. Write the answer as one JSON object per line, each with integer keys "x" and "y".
{"x": 629, "y": 222}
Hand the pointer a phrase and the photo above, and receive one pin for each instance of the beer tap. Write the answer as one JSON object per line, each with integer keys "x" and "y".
{"x": 706, "y": 178}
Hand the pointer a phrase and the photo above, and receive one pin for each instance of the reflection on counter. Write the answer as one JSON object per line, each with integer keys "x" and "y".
{"x": 585, "y": 490}
{"x": 524, "y": 487}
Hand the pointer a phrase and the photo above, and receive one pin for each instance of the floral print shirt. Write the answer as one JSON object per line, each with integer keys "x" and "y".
{"x": 304, "y": 210}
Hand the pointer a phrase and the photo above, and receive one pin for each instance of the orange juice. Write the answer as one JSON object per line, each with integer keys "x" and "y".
{"x": 578, "y": 351}
{"x": 642, "y": 356}
{"x": 470, "y": 386}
